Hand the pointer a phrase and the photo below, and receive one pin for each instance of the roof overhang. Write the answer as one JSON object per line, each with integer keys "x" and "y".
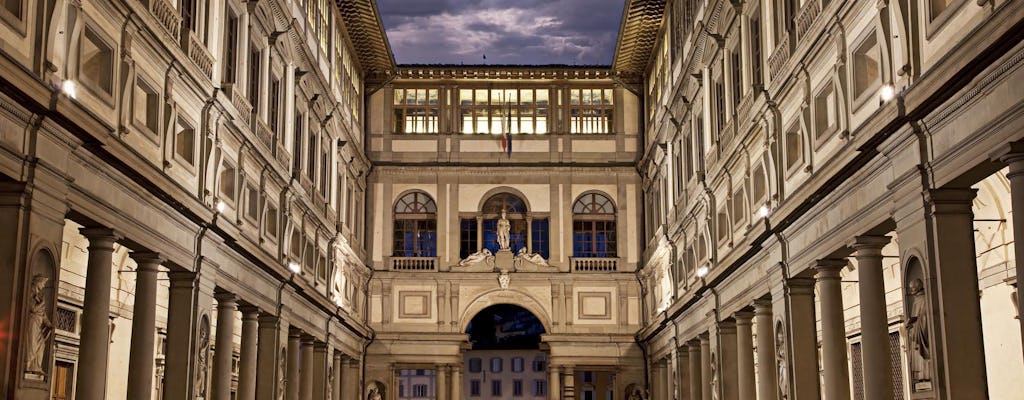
{"x": 638, "y": 33}
{"x": 365, "y": 29}
{"x": 502, "y": 72}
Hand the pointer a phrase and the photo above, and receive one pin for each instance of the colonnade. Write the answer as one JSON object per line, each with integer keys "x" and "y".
{"x": 307, "y": 369}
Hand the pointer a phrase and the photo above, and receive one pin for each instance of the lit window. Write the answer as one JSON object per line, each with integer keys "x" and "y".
{"x": 518, "y": 111}
{"x": 866, "y": 66}
{"x": 593, "y": 233}
{"x": 591, "y": 111}
{"x": 416, "y": 110}
{"x": 96, "y": 62}
{"x": 415, "y": 232}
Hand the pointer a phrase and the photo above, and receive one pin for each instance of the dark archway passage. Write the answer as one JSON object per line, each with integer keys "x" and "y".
{"x": 505, "y": 360}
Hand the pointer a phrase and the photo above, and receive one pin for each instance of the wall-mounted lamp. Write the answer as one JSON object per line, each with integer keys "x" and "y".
{"x": 703, "y": 271}
{"x": 888, "y": 92}
{"x": 294, "y": 267}
{"x": 764, "y": 211}
{"x": 221, "y": 206}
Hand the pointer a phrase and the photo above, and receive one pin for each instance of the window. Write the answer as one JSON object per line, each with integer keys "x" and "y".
{"x": 252, "y": 207}
{"x": 866, "y": 66}
{"x": 63, "y": 379}
{"x": 415, "y": 232}
{"x": 540, "y": 388}
{"x": 297, "y": 143}
{"x": 311, "y": 151}
{"x": 270, "y": 226}
{"x": 593, "y": 226}
{"x": 520, "y": 111}
{"x": 255, "y": 61}
{"x": 591, "y": 111}
{"x": 188, "y": 15}
{"x": 497, "y": 364}
{"x": 517, "y": 387}
{"x": 719, "y": 107}
{"x": 475, "y": 365}
{"x": 937, "y": 7}
{"x": 273, "y": 111}
{"x": 737, "y": 76}
{"x": 517, "y": 364}
{"x": 738, "y": 213}
{"x": 824, "y": 113}
{"x": 146, "y": 106}
{"x": 419, "y": 390}
{"x": 755, "y": 48}
{"x": 496, "y": 388}
{"x": 227, "y": 182}
{"x": 230, "y": 47}
{"x": 474, "y": 388}
{"x": 96, "y": 62}
{"x": 539, "y": 236}
{"x": 691, "y": 158}
{"x": 416, "y": 110}
{"x": 759, "y": 189}
{"x": 723, "y": 226}
{"x": 539, "y": 365}
{"x": 794, "y": 148}
{"x": 588, "y": 377}
{"x": 467, "y": 237}
{"x": 14, "y": 8}
{"x": 185, "y": 142}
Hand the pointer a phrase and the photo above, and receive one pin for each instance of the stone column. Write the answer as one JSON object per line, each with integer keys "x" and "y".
{"x": 292, "y": 382}
{"x": 874, "y": 322}
{"x": 339, "y": 365}
{"x": 569, "y": 384}
{"x": 694, "y": 384}
{"x": 833, "y": 329}
{"x": 248, "y": 354}
{"x": 456, "y": 382}
{"x": 319, "y": 371}
{"x": 955, "y": 290}
{"x": 306, "y": 371}
{"x": 804, "y": 342}
{"x": 268, "y": 359}
{"x": 143, "y": 347}
{"x": 442, "y": 382}
{"x": 659, "y": 386}
{"x": 554, "y": 383}
{"x": 746, "y": 386}
{"x": 1015, "y": 159}
{"x": 728, "y": 374}
{"x": 705, "y": 367}
{"x": 226, "y": 304}
{"x": 180, "y": 329}
{"x": 767, "y": 377}
{"x": 682, "y": 372}
{"x": 95, "y": 337}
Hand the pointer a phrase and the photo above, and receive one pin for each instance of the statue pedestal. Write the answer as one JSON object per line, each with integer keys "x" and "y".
{"x": 503, "y": 260}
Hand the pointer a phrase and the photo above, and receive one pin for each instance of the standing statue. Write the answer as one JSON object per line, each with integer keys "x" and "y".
{"x": 636, "y": 394}
{"x": 203, "y": 362}
{"x": 781, "y": 363}
{"x": 714, "y": 377}
{"x": 503, "y": 232}
{"x": 374, "y": 394}
{"x": 282, "y": 380}
{"x": 917, "y": 331}
{"x": 40, "y": 329}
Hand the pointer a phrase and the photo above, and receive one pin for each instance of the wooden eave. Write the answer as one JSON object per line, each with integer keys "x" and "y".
{"x": 366, "y": 31}
{"x": 638, "y": 34}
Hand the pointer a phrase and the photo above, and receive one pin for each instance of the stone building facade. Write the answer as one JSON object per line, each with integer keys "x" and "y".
{"x": 774, "y": 199}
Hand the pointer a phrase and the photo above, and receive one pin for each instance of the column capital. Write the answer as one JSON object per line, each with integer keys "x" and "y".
{"x": 951, "y": 201}
{"x": 726, "y": 327}
{"x": 693, "y": 346}
{"x": 182, "y": 279}
{"x": 225, "y": 299}
{"x": 801, "y": 286}
{"x": 147, "y": 260}
{"x": 763, "y": 307}
{"x": 554, "y": 369}
{"x": 100, "y": 236}
{"x": 306, "y": 339}
{"x": 743, "y": 317}
{"x": 829, "y": 268}
{"x": 319, "y": 346}
{"x": 704, "y": 339}
{"x": 268, "y": 318}
{"x": 1009, "y": 153}
{"x": 249, "y": 311}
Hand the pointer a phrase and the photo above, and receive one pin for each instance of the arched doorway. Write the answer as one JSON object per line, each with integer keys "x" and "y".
{"x": 505, "y": 360}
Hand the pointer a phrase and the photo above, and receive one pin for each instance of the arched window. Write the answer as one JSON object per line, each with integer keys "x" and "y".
{"x": 527, "y": 231}
{"x": 515, "y": 212}
{"x": 415, "y": 226}
{"x": 593, "y": 226}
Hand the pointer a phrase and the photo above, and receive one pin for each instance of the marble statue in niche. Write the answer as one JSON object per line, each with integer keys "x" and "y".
{"x": 918, "y": 328}
{"x": 40, "y": 328}
{"x": 781, "y": 361}
{"x": 714, "y": 377}
{"x": 504, "y": 227}
{"x": 282, "y": 381}
{"x": 203, "y": 358}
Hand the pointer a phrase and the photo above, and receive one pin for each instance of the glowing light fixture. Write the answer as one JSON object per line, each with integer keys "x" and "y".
{"x": 763, "y": 211}
{"x": 294, "y": 267}
{"x": 702, "y": 271}
{"x": 69, "y": 88}
{"x": 887, "y": 93}
{"x": 221, "y": 206}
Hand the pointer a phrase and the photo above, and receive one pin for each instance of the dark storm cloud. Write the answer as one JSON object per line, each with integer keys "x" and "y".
{"x": 507, "y": 31}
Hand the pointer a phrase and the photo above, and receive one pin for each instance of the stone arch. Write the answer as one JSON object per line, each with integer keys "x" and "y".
{"x": 615, "y": 208}
{"x": 503, "y": 189}
{"x": 507, "y": 296}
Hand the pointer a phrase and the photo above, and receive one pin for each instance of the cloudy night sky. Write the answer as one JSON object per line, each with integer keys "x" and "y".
{"x": 580, "y": 32}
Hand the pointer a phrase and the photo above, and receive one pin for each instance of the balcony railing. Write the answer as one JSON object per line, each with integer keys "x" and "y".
{"x": 779, "y": 57}
{"x": 239, "y": 101}
{"x": 168, "y": 16}
{"x": 594, "y": 264}
{"x": 264, "y": 134}
{"x": 805, "y": 17}
{"x": 413, "y": 263}
{"x": 199, "y": 54}
{"x": 282, "y": 156}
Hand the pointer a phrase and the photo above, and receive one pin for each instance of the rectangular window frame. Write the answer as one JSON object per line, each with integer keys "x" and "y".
{"x": 868, "y": 92}
{"x": 95, "y": 88}
{"x": 16, "y": 22}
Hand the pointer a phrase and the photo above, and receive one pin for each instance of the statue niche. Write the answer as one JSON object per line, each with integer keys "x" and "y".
{"x": 39, "y": 329}
{"x": 918, "y": 324}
